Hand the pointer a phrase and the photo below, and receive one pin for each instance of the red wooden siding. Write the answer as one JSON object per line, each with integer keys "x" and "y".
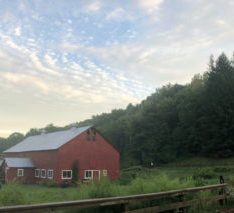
{"x": 42, "y": 160}
{"x": 91, "y": 155}
{"x": 28, "y": 177}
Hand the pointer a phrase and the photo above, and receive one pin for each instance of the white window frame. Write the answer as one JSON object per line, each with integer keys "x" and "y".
{"x": 92, "y": 171}
{"x": 39, "y": 173}
{"x": 50, "y": 171}
{"x": 43, "y": 170}
{"x": 87, "y": 177}
{"x": 20, "y": 172}
{"x": 104, "y": 173}
{"x": 66, "y": 178}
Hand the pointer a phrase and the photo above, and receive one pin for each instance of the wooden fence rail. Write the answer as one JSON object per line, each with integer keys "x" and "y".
{"x": 123, "y": 201}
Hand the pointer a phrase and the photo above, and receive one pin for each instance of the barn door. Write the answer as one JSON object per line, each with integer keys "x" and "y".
{"x": 96, "y": 174}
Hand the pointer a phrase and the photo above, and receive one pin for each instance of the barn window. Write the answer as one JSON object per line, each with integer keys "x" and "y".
{"x": 20, "y": 172}
{"x": 37, "y": 173}
{"x": 104, "y": 172}
{"x": 66, "y": 174}
{"x": 43, "y": 173}
{"x": 50, "y": 173}
{"x": 88, "y": 174}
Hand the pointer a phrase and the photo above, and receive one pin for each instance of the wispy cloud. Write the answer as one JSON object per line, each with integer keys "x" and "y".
{"x": 150, "y": 6}
{"x": 18, "y": 31}
{"x": 93, "y": 7}
{"x": 118, "y": 14}
{"x": 74, "y": 59}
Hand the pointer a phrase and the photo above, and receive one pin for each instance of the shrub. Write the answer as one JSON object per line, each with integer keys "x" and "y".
{"x": 51, "y": 183}
{"x": 11, "y": 194}
{"x": 204, "y": 173}
{"x": 131, "y": 173}
{"x": 100, "y": 189}
{"x": 126, "y": 178}
{"x": 222, "y": 169}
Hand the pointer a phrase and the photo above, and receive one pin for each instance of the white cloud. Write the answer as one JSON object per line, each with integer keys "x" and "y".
{"x": 38, "y": 64}
{"x": 221, "y": 23}
{"x": 18, "y": 31}
{"x": 73, "y": 75}
{"x": 151, "y": 7}
{"x": 93, "y": 7}
{"x": 20, "y": 79}
{"x": 86, "y": 84}
{"x": 50, "y": 61}
{"x": 118, "y": 14}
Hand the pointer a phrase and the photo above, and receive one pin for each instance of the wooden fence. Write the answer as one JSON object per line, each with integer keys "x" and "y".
{"x": 176, "y": 199}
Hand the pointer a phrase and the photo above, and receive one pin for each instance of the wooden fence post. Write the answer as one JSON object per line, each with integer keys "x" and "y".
{"x": 222, "y": 191}
{"x": 181, "y": 198}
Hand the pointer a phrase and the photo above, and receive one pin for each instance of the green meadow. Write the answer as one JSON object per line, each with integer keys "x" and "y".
{"x": 133, "y": 180}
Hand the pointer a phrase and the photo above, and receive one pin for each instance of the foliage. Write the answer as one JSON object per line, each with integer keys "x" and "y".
{"x": 127, "y": 175}
{"x": 12, "y": 194}
{"x": 15, "y": 193}
{"x": 145, "y": 181}
{"x": 177, "y": 121}
{"x": 222, "y": 169}
{"x": 10, "y": 141}
{"x": 204, "y": 173}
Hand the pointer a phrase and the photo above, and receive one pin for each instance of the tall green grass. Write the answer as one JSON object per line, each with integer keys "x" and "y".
{"x": 135, "y": 180}
{"x": 16, "y": 193}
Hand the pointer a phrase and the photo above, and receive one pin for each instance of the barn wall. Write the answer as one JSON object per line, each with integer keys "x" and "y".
{"x": 11, "y": 175}
{"x": 94, "y": 155}
{"x": 91, "y": 155}
{"x": 42, "y": 160}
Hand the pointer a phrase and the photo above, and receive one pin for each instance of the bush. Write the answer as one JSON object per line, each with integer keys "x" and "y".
{"x": 131, "y": 173}
{"x": 11, "y": 194}
{"x": 102, "y": 188}
{"x": 203, "y": 173}
{"x": 126, "y": 178}
{"x": 222, "y": 169}
{"x": 51, "y": 183}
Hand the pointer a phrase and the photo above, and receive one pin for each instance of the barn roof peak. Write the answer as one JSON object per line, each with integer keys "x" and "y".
{"x": 47, "y": 141}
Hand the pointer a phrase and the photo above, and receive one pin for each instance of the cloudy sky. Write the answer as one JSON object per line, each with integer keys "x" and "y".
{"x": 64, "y": 61}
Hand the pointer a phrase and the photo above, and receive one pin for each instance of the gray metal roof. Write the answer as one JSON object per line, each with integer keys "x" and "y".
{"x": 49, "y": 141}
{"x": 19, "y": 162}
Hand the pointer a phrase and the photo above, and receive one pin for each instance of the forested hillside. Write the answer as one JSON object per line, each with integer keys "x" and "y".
{"x": 177, "y": 121}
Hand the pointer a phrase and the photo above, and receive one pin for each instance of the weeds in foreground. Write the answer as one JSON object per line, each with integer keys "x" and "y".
{"x": 16, "y": 193}
{"x": 142, "y": 181}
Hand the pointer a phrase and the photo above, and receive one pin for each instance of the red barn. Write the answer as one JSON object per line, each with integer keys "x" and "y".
{"x": 61, "y": 156}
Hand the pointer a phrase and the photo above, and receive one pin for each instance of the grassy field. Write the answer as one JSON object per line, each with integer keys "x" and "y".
{"x": 131, "y": 182}
{"x": 203, "y": 162}
{"x": 134, "y": 180}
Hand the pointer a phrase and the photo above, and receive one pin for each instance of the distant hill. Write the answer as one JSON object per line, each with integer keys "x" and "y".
{"x": 177, "y": 121}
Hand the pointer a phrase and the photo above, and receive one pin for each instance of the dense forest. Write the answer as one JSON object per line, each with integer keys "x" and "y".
{"x": 177, "y": 121}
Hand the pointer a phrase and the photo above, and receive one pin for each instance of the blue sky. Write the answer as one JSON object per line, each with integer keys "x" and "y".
{"x": 64, "y": 61}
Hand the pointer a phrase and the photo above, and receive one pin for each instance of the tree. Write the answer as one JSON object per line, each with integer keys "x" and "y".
{"x": 218, "y": 109}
